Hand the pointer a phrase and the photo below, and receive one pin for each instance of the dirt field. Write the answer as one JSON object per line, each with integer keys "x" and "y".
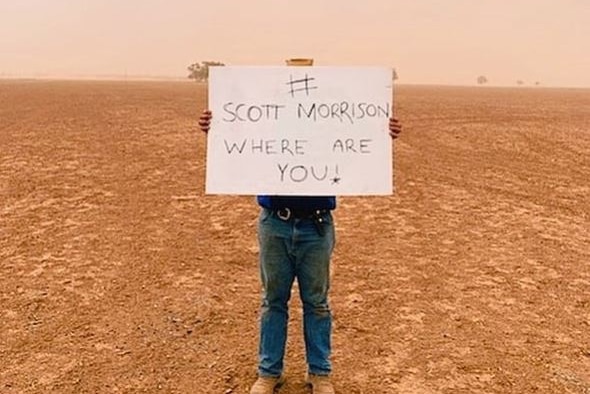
{"x": 117, "y": 274}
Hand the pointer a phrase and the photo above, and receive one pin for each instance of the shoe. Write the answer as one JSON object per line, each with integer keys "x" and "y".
{"x": 320, "y": 384}
{"x": 267, "y": 384}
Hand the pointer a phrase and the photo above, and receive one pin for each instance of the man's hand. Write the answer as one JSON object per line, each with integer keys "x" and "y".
{"x": 395, "y": 127}
{"x": 205, "y": 121}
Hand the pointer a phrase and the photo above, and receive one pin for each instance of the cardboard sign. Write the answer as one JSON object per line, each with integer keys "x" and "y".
{"x": 299, "y": 131}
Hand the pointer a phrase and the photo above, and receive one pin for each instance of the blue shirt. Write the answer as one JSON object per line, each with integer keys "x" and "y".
{"x": 297, "y": 202}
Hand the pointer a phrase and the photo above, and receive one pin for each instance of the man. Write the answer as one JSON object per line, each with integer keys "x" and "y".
{"x": 296, "y": 238}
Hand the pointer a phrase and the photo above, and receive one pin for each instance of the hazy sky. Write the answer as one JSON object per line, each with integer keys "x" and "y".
{"x": 427, "y": 41}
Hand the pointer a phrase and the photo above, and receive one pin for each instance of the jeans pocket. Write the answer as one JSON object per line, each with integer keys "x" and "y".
{"x": 265, "y": 214}
{"x": 327, "y": 218}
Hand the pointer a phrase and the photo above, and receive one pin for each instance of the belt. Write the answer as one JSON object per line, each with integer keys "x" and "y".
{"x": 292, "y": 213}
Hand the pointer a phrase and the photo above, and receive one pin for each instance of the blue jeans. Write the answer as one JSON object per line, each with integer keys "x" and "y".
{"x": 292, "y": 249}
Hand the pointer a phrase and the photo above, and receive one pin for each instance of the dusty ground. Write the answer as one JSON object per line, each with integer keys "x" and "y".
{"x": 117, "y": 275}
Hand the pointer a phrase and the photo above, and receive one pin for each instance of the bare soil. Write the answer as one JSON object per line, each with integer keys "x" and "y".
{"x": 118, "y": 275}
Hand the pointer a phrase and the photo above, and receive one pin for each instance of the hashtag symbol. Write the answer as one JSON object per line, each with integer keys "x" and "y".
{"x": 300, "y": 85}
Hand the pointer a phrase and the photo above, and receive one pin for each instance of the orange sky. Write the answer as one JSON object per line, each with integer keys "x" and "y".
{"x": 428, "y": 41}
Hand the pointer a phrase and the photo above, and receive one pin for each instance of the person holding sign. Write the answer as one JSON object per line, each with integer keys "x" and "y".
{"x": 296, "y": 238}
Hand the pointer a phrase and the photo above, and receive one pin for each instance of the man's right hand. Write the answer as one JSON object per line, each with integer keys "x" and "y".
{"x": 205, "y": 121}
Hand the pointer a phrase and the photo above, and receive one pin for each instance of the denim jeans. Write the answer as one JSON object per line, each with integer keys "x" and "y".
{"x": 292, "y": 249}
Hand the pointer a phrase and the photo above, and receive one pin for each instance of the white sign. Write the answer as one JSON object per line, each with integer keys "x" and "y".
{"x": 299, "y": 131}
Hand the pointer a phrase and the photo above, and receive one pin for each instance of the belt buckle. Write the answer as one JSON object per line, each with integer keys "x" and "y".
{"x": 284, "y": 213}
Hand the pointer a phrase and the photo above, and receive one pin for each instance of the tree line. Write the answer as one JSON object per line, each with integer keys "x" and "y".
{"x": 482, "y": 80}
{"x": 199, "y": 71}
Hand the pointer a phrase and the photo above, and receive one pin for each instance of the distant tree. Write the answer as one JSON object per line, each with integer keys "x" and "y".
{"x": 394, "y": 76}
{"x": 520, "y": 82}
{"x": 537, "y": 83}
{"x": 481, "y": 80}
{"x": 200, "y": 71}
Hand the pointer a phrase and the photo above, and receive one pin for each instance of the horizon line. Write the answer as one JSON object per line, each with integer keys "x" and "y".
{"x": 171, "y": 78}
